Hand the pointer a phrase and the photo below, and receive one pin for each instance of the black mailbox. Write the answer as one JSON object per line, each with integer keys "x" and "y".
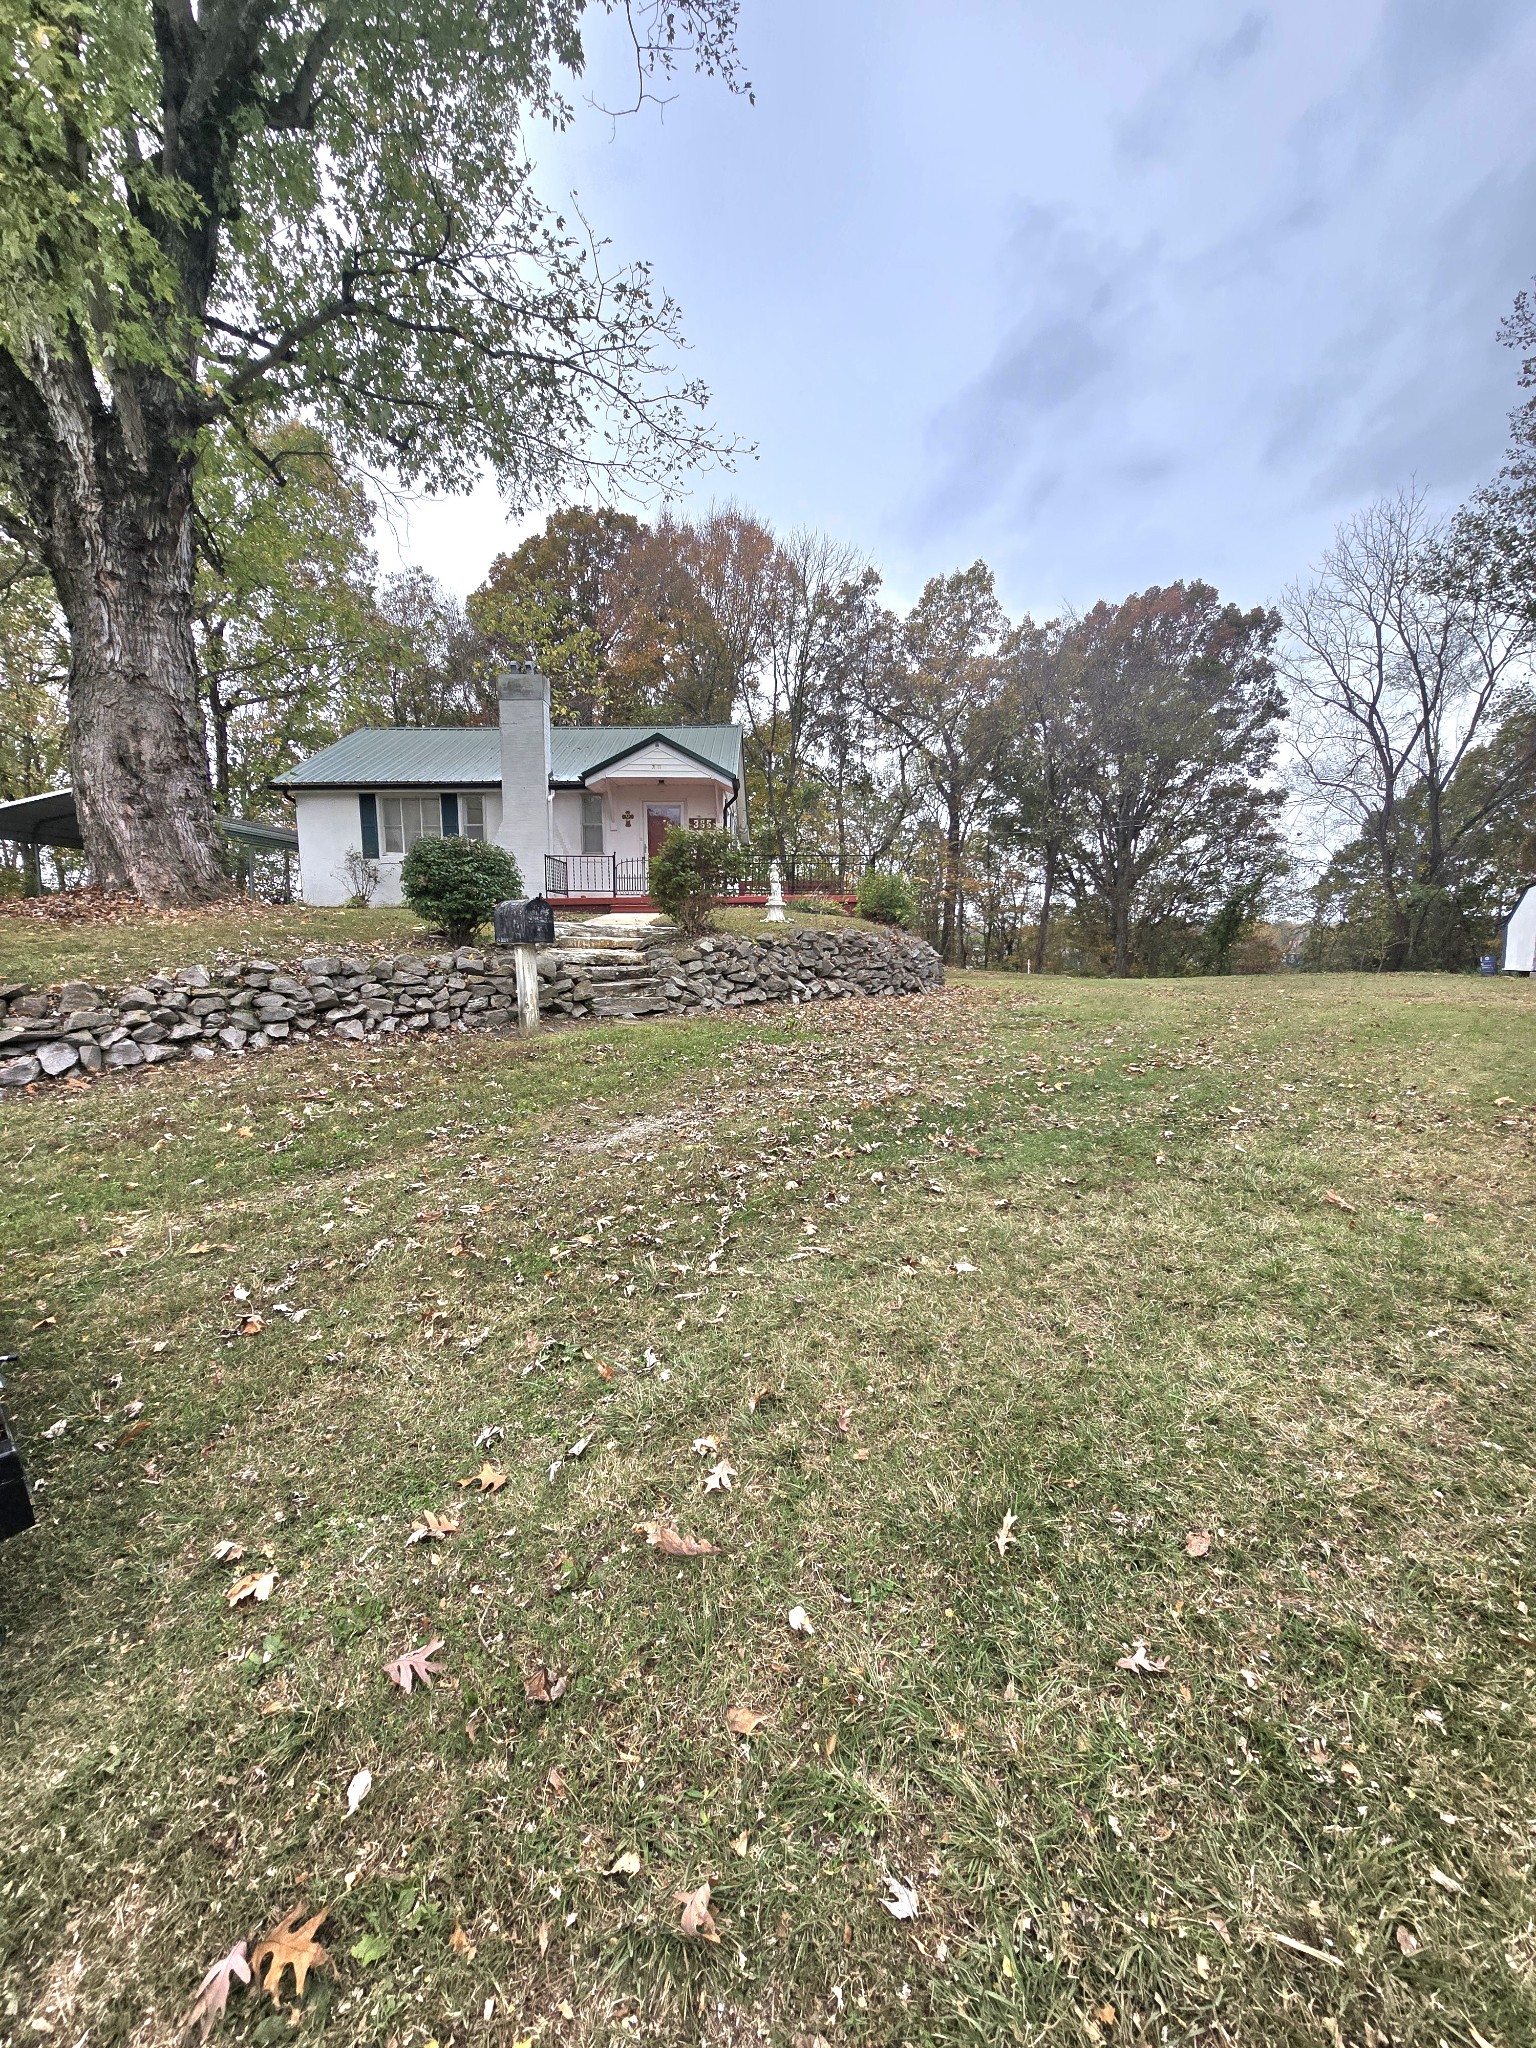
{"x": 15, "y": 1494}
{"x": 530, "y": 923}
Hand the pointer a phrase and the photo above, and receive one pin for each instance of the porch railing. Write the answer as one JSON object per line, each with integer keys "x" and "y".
{"x": 594, "y": 874}
{"x": 605, "y": 875}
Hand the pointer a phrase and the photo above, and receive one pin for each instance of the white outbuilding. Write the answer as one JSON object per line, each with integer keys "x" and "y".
{"x": 1520, "y": 936}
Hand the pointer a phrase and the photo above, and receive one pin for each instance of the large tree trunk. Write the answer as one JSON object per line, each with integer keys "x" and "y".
{"x": 1047, "y": 891}
{"x": 115, "y": 513}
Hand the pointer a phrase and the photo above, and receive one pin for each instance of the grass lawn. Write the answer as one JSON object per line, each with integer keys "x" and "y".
{"x": 1131, "y": 1384}
{"x": 42, "y": 948}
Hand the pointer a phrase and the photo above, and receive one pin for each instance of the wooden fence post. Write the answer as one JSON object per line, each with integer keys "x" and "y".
{"x": 525, "y": 965}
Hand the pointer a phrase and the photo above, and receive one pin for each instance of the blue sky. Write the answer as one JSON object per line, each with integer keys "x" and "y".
{"x": 1106, "y": 293}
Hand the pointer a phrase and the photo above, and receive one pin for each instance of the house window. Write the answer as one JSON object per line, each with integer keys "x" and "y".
{"x": 472, "y": 815}
{"x": 591, "y": 822}
{"x": 409, "y": 818}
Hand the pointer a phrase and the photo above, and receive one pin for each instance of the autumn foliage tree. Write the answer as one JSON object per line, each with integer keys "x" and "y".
{"x": 215, "y": 213}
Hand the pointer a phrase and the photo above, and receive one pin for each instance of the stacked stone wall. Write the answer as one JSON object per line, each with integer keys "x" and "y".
{"x": 258, "y": 1006}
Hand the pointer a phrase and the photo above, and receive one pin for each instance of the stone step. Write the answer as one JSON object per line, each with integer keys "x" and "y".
{"x": 595, "y": 956}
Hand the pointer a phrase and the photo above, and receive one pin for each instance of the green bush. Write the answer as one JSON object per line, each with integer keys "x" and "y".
{"x": 690, "y": 870}
{"x": 818, "y": 906}
{"x": 453, "y": 885}
{"x": 885, "y": 899}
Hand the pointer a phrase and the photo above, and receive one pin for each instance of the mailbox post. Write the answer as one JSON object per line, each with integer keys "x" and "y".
{"x": 524, "y": 925}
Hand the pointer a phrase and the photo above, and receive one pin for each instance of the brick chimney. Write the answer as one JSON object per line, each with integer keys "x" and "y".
{"x": 523, "y": 702}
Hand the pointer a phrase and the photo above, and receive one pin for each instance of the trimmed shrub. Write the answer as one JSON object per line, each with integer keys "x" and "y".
{"x": 885, "y": 899}
{"x": 690, "y": 870}
{"x": 453, "y": 885}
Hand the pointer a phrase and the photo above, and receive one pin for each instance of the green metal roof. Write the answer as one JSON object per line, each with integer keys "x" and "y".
{"x": 469, "y": 756}
{"x": 408, "y": 756}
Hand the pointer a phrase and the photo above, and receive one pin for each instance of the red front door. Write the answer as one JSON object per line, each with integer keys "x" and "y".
{"x": 659, "y": 820}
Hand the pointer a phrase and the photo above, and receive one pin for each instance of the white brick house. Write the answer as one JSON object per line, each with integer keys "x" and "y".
{"x": 580, "y": 808}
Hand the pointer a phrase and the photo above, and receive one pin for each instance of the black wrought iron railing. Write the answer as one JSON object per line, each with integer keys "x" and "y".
{"x": 606, "y": 875}
{"x": 594, "y": 874}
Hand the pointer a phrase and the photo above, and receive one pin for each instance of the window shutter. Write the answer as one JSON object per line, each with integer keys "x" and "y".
{"x": 368, "y": 818}
{"x": 450, "y": 803}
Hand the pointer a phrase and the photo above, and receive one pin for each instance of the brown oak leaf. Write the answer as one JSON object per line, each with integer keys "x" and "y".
{"x": 207, "y": 2008}
{"x": 432, "y": 1526}
{"x": 672, "y": 1542}
{"x": 698, "y": 1923}
{"x": 252, "y": 1586}
{"x": 413, "y": 1664}
{"x": 743, "y": 1720}
{"x": 1139, "y": 1661}
{"x": 289, "y": 1946}
{"x": 490, "y": 1478}
{"x": 1197, "y": 1542}
{"x": 544, "y": 1686}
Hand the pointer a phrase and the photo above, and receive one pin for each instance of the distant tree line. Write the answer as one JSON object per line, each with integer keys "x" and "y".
{"x": 1136, "y": 788}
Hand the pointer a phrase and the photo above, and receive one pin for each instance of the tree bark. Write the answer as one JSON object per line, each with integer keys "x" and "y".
{"x": 949, "y": 928}
{"x": 111, "y": 497}
{"x": 1047, "y": 891}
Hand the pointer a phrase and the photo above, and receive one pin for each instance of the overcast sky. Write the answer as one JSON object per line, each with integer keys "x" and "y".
{"x": 1107, "y": 293}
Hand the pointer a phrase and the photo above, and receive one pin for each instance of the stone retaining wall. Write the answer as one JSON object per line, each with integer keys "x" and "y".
{"x": 256, "y": 1005}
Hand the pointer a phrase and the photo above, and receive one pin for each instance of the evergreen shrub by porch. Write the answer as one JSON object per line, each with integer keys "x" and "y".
{"x": 453, "y": 885}
{"x": 885, "y": 899}
{"x": 690, "y": 870}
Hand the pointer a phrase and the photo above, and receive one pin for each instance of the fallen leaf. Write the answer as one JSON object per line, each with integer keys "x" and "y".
{"x": 461, "y": 1944}
{"x": 1138, "y": 1660}
{"x": 289, "y": 1946}
{"x": 739, "y": 1843}
{"x": 413, "y": 1664}
{"x": 433, "y": 1527}
{"x": 764, "y": 1394}
{"x": 627, "y": 1865}
{"x": 902, "y": 1904}
{"x": 226, "y": 1552}
{"x": 1408, "y": 1941}
{"x": 555, "y": 1783}
{"x": 1197, "y": 1542}
{"x": 1339, "y": 1202}
{"x": 964, "y": 1266}
{"x": 800, "y": 1622}
{"x": 252, "y": 1586}
{"x": 544, "y": 1686}
{"x": 1005, "y": 1538}
{"x": 845, "y": 1420}
{"x": 252, "y": 1326}
{"x": 718, "y": 1478}
{"x": 1105, "y": 2015}
{"x": 704, "y": 1446}
{"x": 1443, "y": 1878}
{"x": 490, "y": 1479}
{"x": 358, "y": 1790}
{"x": 671, "y": 1542}
{"x": 543, "y": 1937}
{"x": 207, "y": 2008}
{"x": 489, "y": 1434}
{"x": 698, "y": 1923}
{"x": 743, "y": 1720}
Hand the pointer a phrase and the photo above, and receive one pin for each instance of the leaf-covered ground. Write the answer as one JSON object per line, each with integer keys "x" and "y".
{"x": 1135, "y": 1266}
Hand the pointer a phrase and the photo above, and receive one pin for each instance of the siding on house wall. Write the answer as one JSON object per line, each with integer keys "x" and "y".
{"x": 329, "y": 825}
